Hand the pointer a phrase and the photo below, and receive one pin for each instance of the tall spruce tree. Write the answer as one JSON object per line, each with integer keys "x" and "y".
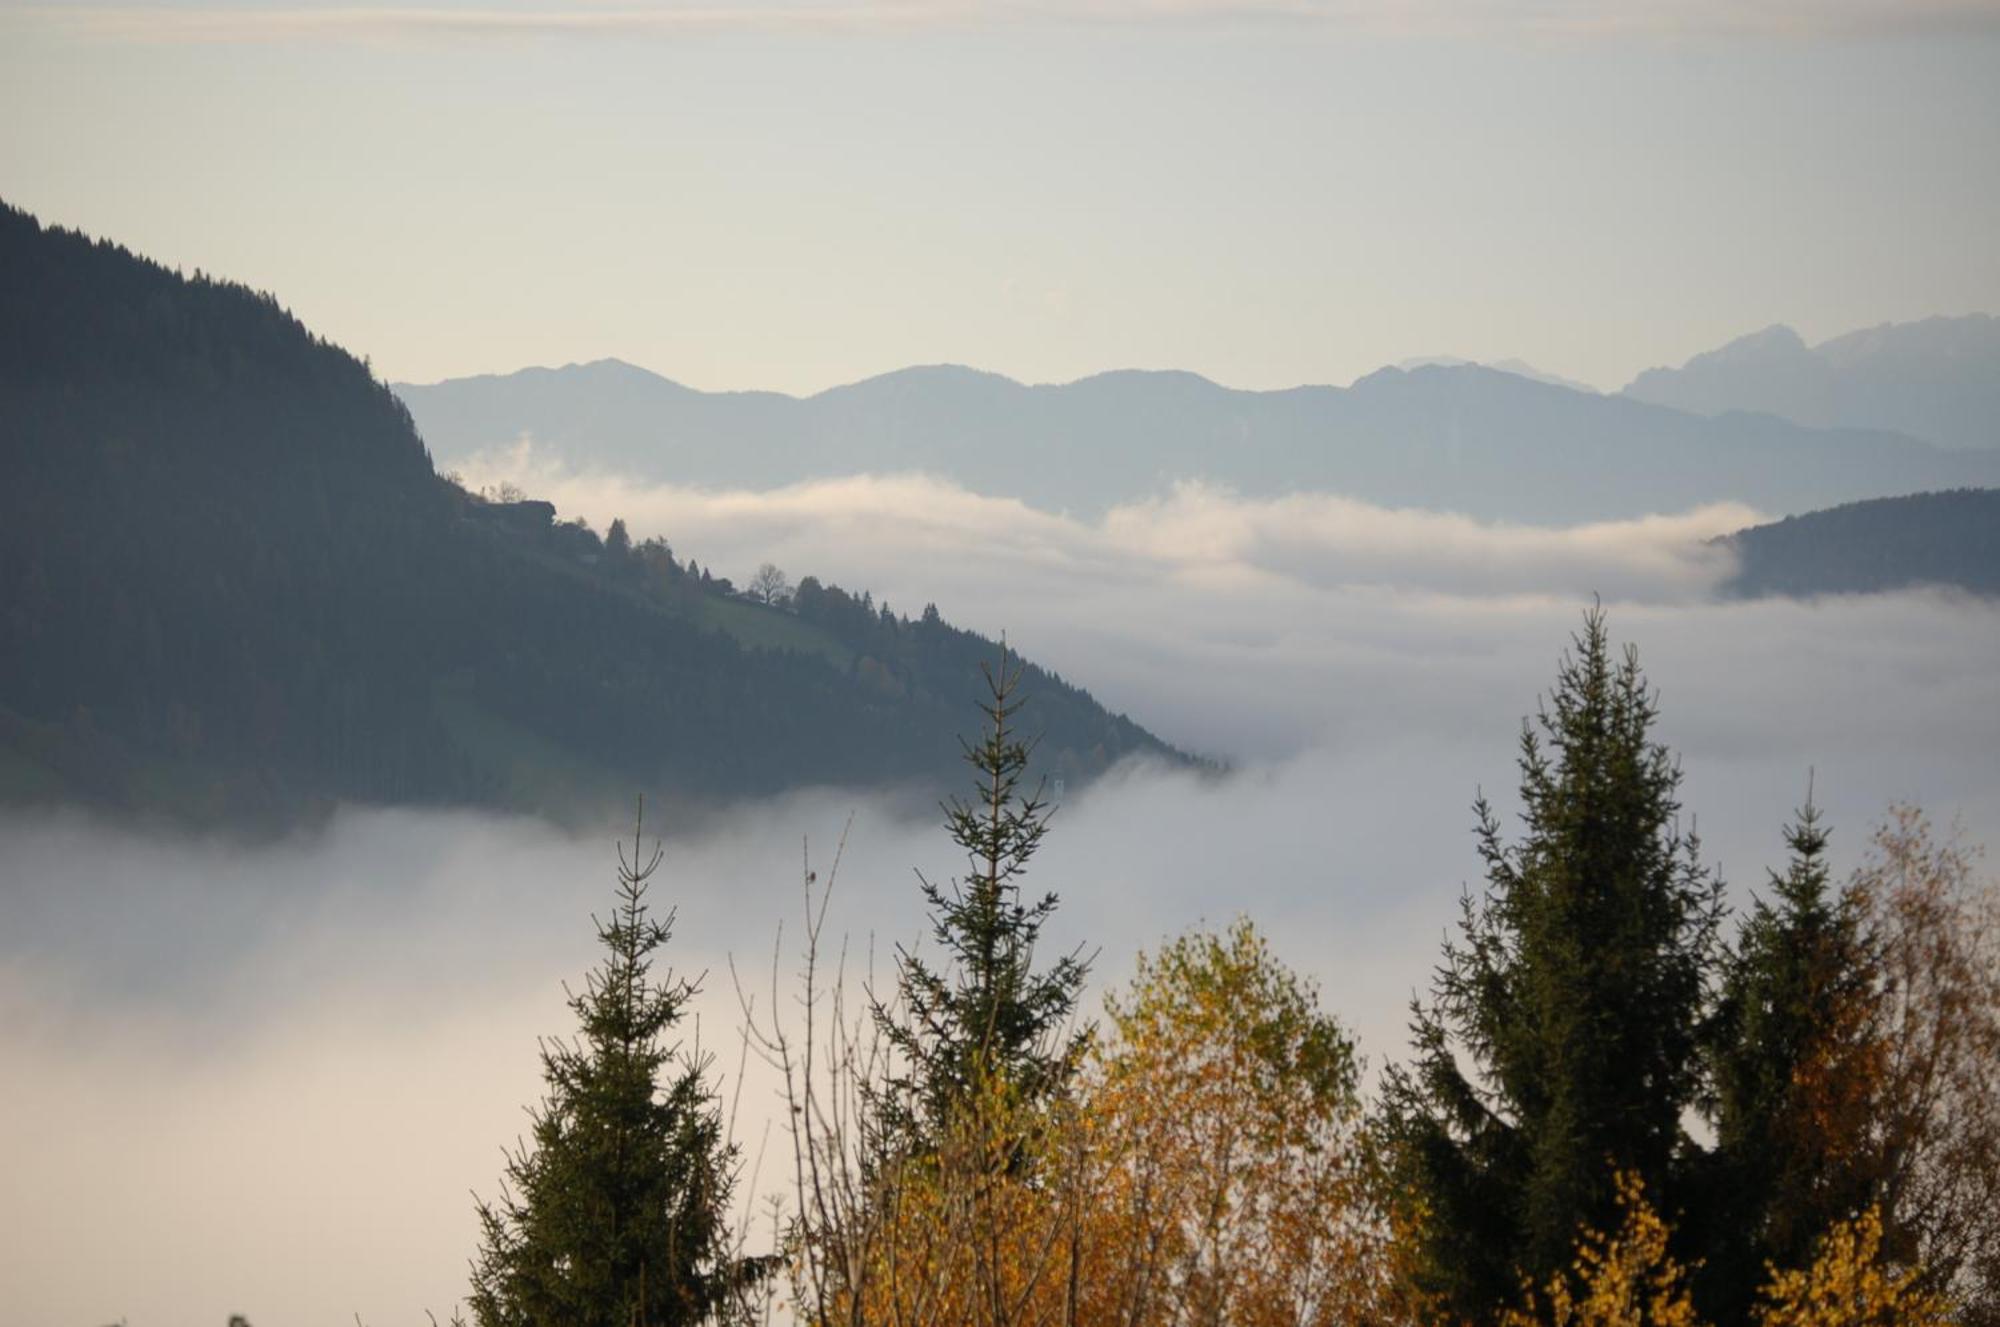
{"x": 615, "y": 1216}
{"x": 985, "y": 1018}
{"x": 1561, "y": 1043}
{"x": 1796, "y": 1066}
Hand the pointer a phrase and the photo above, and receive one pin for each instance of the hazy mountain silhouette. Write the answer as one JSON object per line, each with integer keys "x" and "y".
{"x": 1938, "y": 379}
{"x": 235, "y": 590}
{"x": 1944, "y": 539}
{"x": 1520, "y": 368}
{"x": 1459, "y": 437}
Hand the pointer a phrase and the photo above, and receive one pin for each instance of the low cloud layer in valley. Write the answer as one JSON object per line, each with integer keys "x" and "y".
{"x": 263, "y": 1077}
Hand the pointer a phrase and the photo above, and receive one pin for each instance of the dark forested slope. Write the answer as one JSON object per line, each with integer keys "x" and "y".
{"x": 231, "y": 586}
{"x": 1946, "y": 539}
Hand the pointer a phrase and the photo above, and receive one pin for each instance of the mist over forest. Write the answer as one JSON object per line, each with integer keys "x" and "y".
{"x": 351, "y": 1007}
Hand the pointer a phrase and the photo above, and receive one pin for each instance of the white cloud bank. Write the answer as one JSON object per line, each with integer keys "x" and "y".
{"x": 1196, "y": 531}
{"x": 1213, "y": 618}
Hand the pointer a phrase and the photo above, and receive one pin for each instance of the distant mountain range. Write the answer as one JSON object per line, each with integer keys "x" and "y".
{"x": 1460, "y": 437}
{"x": 1518, "y": 367}
{"x": 1938, "y": 380}
{"x": 233, "y": 590}
{"x": 1940, "y": 539}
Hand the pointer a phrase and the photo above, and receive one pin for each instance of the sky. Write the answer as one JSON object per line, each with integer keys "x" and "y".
{"x": 794, "y": 195}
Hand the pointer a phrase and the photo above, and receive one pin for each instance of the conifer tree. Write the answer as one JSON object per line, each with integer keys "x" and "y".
{"x": 986, "y": 1018}
{"x": 1560, "y": 1046}
{"x": 615, "y": 1215}
{"x": 1796, "y": 1069}
{"x": 618, "y": 542}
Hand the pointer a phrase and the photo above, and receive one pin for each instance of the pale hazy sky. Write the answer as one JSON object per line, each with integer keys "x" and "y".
{"x": 795, "y": 195}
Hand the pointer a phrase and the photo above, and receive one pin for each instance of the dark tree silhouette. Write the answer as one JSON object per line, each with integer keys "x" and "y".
{"x": 1796, "y": 1067}
{"x": 987, "y": 1016}
{"x": 1561, "y": 1043}
{"x": 615, "y": 1215}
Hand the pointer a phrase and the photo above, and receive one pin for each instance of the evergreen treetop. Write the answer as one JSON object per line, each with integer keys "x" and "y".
{"x": 986, "y": 1017}
{"x": 1561, "y": 1043}
{"x": 1794, "y": 1075}
{"x": 615, "y": 1216}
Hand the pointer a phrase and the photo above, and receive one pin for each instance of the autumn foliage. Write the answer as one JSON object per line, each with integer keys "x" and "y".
{"x": 1850, "y": 1284}
{"x": 1225, "y": 1113}
{"x": 1626, "y": 1278}
{"x": 1790, "y": 1122}
{"x": 1206, "y": 1167}
{"x": 1630, "y": 1278}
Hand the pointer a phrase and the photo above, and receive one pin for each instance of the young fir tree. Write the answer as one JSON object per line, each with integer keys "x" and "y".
{"x": 1561, "y": 1044}
{"x": 615, "y": 1216}
{"x": 1796, "y": 1064}
{"x": 986, "y": 1019}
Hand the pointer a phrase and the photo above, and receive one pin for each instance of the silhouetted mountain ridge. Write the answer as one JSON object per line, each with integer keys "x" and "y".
{"x": 1937, "y": 379}
{"x": 1460, "y": 437}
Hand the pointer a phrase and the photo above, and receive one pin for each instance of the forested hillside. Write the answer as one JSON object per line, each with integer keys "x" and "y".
{"x": 234, "y": 588}
{"x": 1946, "y": 539}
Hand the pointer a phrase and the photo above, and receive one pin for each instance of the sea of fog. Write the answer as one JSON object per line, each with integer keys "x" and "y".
{"x": 267, "y": 1079}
